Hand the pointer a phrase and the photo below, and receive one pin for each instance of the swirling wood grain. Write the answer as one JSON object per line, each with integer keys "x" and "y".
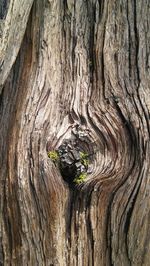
{"x": 81, "y": 64}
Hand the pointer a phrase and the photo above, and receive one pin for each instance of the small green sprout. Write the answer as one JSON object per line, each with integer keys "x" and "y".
{"x": 53, "y": 155}
{"x": 80, "y": 179}
{"x": 83, "y": 158}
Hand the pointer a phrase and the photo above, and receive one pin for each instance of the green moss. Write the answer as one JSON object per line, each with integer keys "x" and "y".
{"x": 84, "y": 158}
{"x": 80, "y": 179}
{"x": 53, "y": 155}
{"x": 83, "y": 155}
{"x": 85, "y": 162}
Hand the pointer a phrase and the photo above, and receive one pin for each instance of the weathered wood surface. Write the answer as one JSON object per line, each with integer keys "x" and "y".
{"x": 79, "y": 64}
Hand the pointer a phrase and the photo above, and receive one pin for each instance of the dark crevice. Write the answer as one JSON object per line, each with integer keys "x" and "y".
{"x": 70, "y": 210}
{"x": 129, "y": 40}
{"x": 136, "y": 42}
{"x": 89, "y": 226}
{"x": 2, "y": 105}
{"x": 101, "y": 8}
{"x": 108, "y": 230}
{"x": 129, "y": 214}
{"x": 74, "y": 41}
{"x": 102, "y": 67}
{"x": 91, "y": 14}
{"x": 4, "y": 4}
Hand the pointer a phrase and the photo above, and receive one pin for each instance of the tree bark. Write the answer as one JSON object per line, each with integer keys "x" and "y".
{"x": 67, "y": 66}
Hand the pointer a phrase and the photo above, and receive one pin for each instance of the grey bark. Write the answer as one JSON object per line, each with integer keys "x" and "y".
{"x": 68, "y": 65}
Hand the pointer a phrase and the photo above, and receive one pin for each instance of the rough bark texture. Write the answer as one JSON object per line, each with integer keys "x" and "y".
{"x": 66, "y": 65}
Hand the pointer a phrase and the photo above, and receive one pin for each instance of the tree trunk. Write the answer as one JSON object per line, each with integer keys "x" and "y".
{"x": 75, "y": 70}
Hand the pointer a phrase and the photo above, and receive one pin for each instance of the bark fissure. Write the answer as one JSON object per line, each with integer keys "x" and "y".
{"x": 81, "y": 73}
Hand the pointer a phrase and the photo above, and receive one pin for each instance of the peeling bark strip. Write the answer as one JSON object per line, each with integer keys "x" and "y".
{"x": 82, "y": 69}
{"x": 12, "y": 30}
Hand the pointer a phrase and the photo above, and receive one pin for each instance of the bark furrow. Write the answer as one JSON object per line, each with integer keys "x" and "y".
{"x": 80, "y": 71}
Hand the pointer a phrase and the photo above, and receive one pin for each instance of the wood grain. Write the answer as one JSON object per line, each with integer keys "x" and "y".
{"x": 85, "y": 65}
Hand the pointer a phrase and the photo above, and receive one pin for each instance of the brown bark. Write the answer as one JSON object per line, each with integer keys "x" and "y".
{"x": 85, "y": 65}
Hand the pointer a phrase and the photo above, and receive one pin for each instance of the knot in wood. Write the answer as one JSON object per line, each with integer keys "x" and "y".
{"x": 73, "y": 160}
